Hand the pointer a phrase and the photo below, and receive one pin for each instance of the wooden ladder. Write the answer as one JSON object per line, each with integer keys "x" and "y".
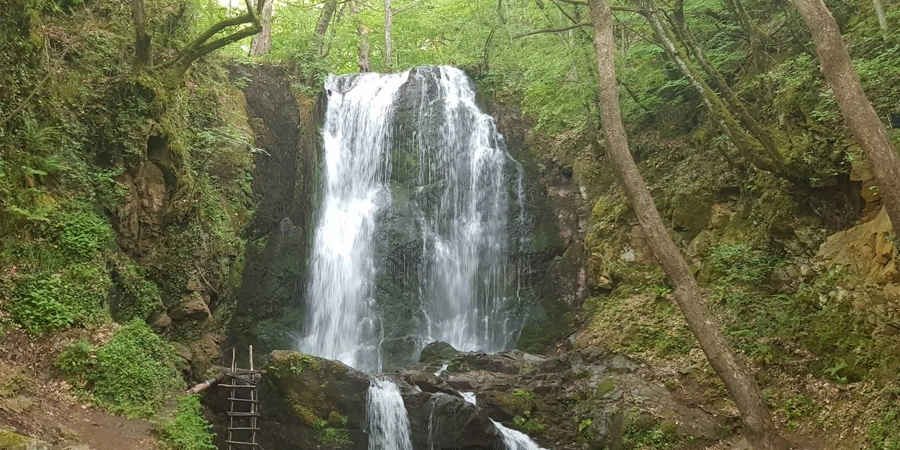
{"x": 243, "y": 413}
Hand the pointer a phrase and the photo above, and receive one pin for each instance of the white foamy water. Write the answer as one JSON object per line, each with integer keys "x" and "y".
{"x": 469, "y": 397}
{"x": 386, "y": 417}
{"x": 514, "y": 440}
{"x": 342, "y": 322}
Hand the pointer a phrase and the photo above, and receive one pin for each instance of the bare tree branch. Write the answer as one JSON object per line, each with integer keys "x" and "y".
{"x": 554, "y": 30}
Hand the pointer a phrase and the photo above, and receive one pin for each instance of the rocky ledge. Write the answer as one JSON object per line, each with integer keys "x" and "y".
{"x": 580, "y": 400}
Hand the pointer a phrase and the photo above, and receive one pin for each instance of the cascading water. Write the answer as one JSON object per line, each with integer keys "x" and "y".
{"x": 341, "y": 320}
{"x": 431, "y": 173}
{"x": 514, "y": 440}
{"x": 386, "y": 418}
{"x": 464, "y": 226}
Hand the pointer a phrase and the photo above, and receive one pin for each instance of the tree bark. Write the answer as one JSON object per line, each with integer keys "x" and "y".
{"x": 882, "y": 19}
{"x": 758, "y": 426}
{"x": 318, "y": 41}
{"x": 858, "y": 112}
{"x": 364, "y": 60}
{"x": 262, "y": 42}
{"x": 749, "y": 146}
{"x": 388, "y": 37}
{"x": 142, "y": 55}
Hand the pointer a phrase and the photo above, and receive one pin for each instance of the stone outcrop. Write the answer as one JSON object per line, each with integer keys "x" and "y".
{"x": 867, "y": 250}
{"x": 584, "y": 399}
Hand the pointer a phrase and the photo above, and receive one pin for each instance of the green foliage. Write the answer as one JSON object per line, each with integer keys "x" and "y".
{"x": 76, "y": 362}
{"x": 884, "y": 433}
{"x": 605, "y": 387}
{"x": 738, "y": 263}
{"x": 138, "y": 297}
{"x": 656, "y": 435}
{"x": 52, "y": 301}
{"x": 524, "y": 394}
{"x": 794, "y": 409}
{"x": 82, "y": 234}
{"x": 528, "y": 425}
{"x": 135, "y": 371}
{"x": 187, "y": 429}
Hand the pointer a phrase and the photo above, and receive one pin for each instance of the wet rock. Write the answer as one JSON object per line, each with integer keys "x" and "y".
{"x": 437, "y": 352}
{"x": 399, "y": 351}
{"x": 444, "y": 421}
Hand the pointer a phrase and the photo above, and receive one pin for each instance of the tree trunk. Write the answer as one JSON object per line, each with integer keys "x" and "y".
{"x": 758, "y": 426}
{"x": 362, "y": 32}
{"x": 882, "y": 19}
{"x": 262, "y": 42}
{"x": 388, "y": 38}
{"x": 142, "y": 55}
{"x": 858, "y": 112}
{"x": 749, "y": 146}
{"x": 318, "y": 40}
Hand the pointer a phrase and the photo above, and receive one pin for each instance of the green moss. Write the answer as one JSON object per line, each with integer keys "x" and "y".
{"x": 605, "y": 387}
{"x": 646, "y": 432}
{"x": 52, "y": 301}
{"x": 13, "y": 441}
{"x": 884, "y": 433}
{"x": 138, "y": 297}
{"x": 528, "y": 425}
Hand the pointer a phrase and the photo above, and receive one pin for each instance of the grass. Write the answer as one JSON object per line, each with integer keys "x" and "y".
{"x": 186, "y": 429}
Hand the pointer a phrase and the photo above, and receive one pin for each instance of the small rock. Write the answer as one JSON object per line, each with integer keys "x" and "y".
{"x": 162, "y": 322}
{"x": 192, "y": 307}
{"x": 621, "y": 363}
{"x": 77, "y": 447}
{"x": 437, "y": 352}
{"x": 741, "y": 445}
{"x": 18, "y": 405}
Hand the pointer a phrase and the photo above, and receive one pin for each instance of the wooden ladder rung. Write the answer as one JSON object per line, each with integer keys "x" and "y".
{"x": 245, "y": 386}
{"x": 252, "y": 444}
{"x": 243, "y": 429}
{"x": 242, "y": 414}
{"x": 246, "y": 400}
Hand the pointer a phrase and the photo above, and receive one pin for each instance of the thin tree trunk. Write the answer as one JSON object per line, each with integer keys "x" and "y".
{"x": 362, "y": 32}
{"x": 749, "y": 146}
{"x": 882, "y": 19}
{"x": 388, "y": 37}
{"x": 142, "y": 55}
{"x": 758, "y": 426}
{"x": 318, "y": 40}
{"x": 262, "y": 42}
{"x": 858, "y": 112}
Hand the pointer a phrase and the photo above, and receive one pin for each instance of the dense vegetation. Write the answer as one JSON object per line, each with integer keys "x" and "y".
{"x": 734, "y": 113}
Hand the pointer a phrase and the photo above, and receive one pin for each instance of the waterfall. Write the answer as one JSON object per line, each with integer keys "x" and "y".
{"x": 413, "y": 237}
{"x": 341, "y": 320}
{"x": 514, "y": 440}
{"x": 386, "y": 417}
{"x": 465, "y": 226}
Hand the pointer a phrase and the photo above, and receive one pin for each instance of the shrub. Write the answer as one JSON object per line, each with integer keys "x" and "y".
{"x": 82, "y": 234}
{"x": 135, "y": 371}
{"x": 47, "y": 301}
{"x": 138, "y": 297}
{"x": 187, "y": 429}
{"x": 76, "y": 362}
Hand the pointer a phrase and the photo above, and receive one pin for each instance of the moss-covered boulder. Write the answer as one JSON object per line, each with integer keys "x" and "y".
{"x": 14, "y": 441}
{"x": 306, "y": 402}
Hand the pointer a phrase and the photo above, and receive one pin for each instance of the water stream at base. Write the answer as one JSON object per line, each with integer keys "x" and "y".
{"x": 386, "y": 418}
{"x": 514, "y": 440}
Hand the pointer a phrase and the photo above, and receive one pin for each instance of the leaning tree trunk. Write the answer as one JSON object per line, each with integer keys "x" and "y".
{"x": 749, "y": 146}
{"x": 388, "y": 37}
{"x": 858, "y": 112}
{"x": 262, "y": 42}
{"x": 759, "y": 428}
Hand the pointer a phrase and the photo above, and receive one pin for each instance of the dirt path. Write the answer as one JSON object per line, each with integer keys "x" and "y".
{"x": 35, "y": 403}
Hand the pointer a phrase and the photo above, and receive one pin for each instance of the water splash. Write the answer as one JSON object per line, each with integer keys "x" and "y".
{"x": 386, "y": 417}
{"x": 469, "y": 397}
{"x": 514, "y": 440}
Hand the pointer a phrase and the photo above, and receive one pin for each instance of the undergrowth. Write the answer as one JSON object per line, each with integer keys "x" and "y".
{"x": 186, "y": 429}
